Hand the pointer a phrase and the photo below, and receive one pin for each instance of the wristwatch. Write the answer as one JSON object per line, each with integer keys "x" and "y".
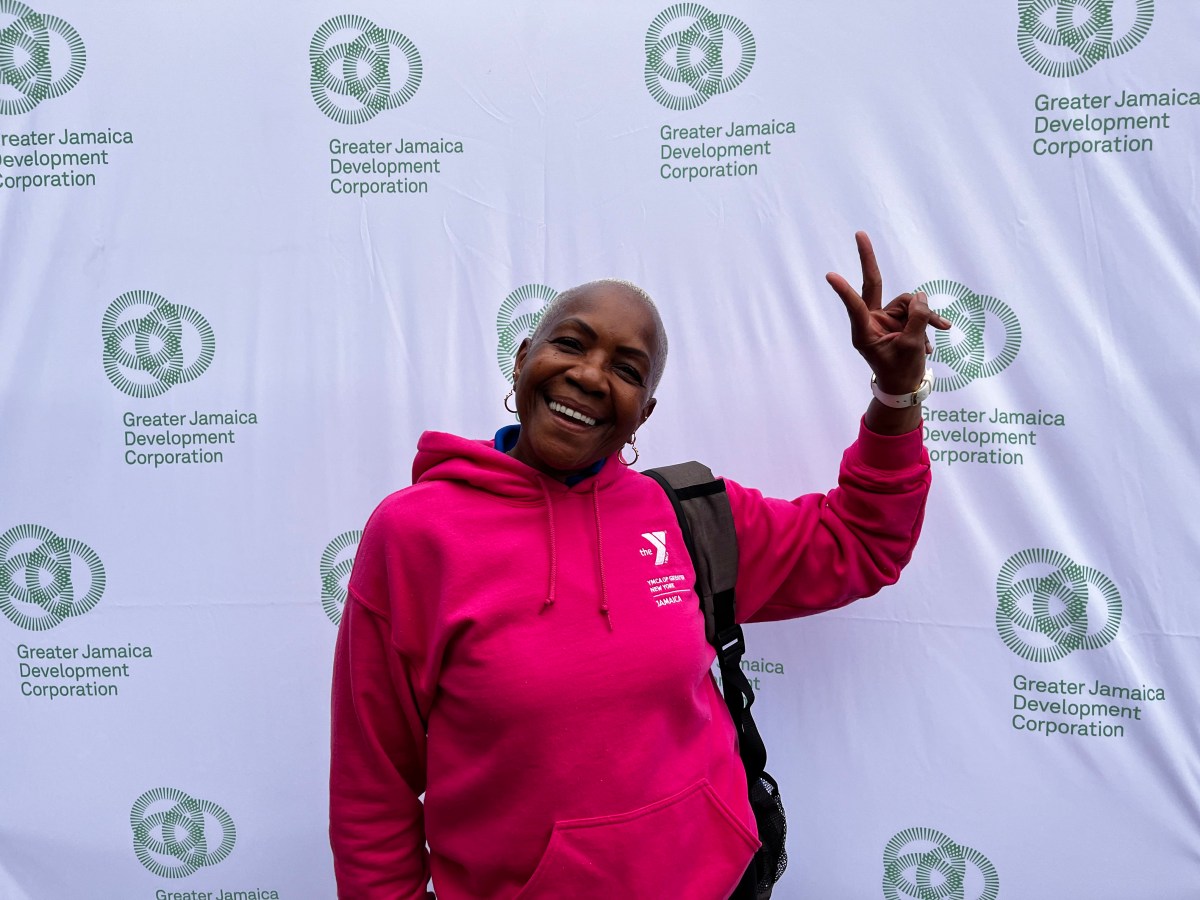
{"x": 902, "y": 401}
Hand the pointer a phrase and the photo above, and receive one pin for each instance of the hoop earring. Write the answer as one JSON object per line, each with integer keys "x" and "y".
{"x": 511, "y": 391}
{"x": 621, "y": 453}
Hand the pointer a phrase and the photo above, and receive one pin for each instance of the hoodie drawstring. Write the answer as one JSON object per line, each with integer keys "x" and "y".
{"x": 553, "y": 586}
{"x": 600, "y": 557}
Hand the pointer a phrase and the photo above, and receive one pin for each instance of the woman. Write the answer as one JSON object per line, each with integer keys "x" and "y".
{"x": 506, "y": 650}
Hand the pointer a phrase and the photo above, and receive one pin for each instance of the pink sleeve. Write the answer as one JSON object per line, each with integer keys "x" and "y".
{"x": 821, "y": 551}
{"x": 377, "y": 772}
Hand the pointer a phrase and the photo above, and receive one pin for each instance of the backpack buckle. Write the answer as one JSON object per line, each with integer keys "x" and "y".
{"x": 731, "y": 644}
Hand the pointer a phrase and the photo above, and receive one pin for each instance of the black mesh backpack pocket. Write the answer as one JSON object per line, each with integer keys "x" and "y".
{"x": 771, "y": 858}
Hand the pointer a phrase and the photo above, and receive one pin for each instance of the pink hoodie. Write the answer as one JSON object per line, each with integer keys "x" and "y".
{"x": 530, "y": 656}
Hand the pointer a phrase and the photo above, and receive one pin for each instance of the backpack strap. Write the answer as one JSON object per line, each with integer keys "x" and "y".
{"x": 701, "y": 505}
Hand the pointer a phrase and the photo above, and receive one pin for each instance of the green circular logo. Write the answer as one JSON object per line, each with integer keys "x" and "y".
{"x": 963, "y": 349}
{"x": 693, "y": 54}
{"x": 174, "y": 835}
{"x": 360, "y": 69}
{"x": 518, "y": 316}
{"x": 41, "y": 57}
{"x": 1049, "y": 605}
{"x": 336, "y": 563}
{"x": 1062, "y": 38}
{"x": 45, "y": 579}
{"x": 151, "y": 344}
{"x": 924, "y": 864}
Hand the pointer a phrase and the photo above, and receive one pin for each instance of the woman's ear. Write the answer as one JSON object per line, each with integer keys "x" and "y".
{"x": 519, "y": 361}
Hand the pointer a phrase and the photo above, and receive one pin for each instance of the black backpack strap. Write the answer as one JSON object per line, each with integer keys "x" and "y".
{"x": 706, "y": 520}
{"x": 701, "y": 505}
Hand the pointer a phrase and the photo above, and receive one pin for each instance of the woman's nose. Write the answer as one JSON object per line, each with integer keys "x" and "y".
{"x": 588, "y": 374}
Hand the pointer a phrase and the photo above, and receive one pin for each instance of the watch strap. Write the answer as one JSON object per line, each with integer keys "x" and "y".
{"x": 903, "y": 401}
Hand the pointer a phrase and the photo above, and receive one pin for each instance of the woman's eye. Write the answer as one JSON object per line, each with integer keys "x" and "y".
{"x": 631, "y": 373}
{"x": 566, "y": 342}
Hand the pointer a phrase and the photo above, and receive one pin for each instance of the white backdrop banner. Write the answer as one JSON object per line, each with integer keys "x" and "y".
{"x": 248, "y": 252}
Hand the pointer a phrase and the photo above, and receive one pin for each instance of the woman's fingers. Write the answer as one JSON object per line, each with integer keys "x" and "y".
{"x": 872, "y": 325}
{"x": 872, "y": 289}
{"x": 856, "y": 309}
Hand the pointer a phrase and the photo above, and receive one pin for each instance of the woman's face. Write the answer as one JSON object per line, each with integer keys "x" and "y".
{"x": 583, "y": 389}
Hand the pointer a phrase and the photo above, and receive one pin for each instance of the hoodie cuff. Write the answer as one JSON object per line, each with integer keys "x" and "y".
{"x": 890, "y": 451}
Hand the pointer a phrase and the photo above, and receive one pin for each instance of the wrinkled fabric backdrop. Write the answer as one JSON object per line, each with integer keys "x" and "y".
{"x": 249, "y": 253}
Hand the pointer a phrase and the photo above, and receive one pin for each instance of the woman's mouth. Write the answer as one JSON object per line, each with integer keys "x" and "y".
{"x": 573, "y": 414}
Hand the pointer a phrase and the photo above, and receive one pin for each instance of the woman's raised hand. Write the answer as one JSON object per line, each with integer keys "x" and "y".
{"x": 890, "y": 338}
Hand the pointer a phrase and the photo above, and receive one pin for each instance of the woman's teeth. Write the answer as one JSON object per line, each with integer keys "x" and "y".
{"x": 557, "y": 407}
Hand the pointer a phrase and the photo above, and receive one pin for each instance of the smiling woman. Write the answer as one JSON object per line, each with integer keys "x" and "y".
{"x": 523, "y": 703}
{"x": 584, "y": 381}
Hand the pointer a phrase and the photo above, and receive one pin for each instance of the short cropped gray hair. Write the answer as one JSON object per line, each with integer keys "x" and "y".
{"x": 657, "y": 365}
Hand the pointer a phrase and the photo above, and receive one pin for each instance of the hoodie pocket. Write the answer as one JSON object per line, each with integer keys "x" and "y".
{"x": 687, "y": 845}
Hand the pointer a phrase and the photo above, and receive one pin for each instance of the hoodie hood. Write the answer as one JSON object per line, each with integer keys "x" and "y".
{"x": 478, "y": 463}
{"x": 481, "y": 465}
